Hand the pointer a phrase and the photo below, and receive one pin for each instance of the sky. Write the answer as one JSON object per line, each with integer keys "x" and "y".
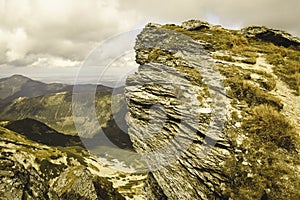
{"x": 50, "y": 40}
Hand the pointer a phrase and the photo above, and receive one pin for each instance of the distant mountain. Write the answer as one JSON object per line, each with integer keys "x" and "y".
{"x": 20, "y": 86}
{"x": 39, "y": 132}
{"x": 17, "y": 86}
{"x": 55, "y": 110}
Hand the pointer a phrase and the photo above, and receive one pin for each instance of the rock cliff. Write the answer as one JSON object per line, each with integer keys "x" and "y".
{"x": 210, "y": 111}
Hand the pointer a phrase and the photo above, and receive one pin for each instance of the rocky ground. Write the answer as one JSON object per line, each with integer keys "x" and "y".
{"x": 212, "y": 113}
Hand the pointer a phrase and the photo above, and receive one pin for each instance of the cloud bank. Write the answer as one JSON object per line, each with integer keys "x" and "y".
{"x": 61, "y": 33}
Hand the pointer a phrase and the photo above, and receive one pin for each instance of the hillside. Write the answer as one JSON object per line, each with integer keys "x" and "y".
{"x": 216, "y": 111}
{"x": 213, "y": 113}
{"x": 30, "y": 169}
{"x": 20, "y": 86}
{"x": 55, "y": 110}
{"x": 41, "y": 133}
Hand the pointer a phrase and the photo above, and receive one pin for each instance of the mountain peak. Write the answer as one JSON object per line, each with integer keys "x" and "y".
{"x": 19, "y": 76}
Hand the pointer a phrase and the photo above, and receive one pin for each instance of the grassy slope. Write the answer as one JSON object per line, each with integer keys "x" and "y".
{"x": 265, "y": 146}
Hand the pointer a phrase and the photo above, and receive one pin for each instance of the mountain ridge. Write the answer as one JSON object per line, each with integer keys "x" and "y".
{"x": 17, "y": 86}
{"x": 255, "y": 154}
{"x": 214, "y": 113}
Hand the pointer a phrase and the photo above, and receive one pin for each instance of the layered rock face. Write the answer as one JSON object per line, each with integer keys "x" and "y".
{"x": 191, "y": 104}
{"x": 19, "y": 183}
{"x": 75, "y": 183}
{"x": 169, "y": 113}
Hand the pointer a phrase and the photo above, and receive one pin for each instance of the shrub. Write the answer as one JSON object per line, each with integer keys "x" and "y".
{"x": 266, "y": 167}
{"x": 253, "y": 95}
{"x": 251, "y": 60}
{"x": 286, "y": 66}
{"x": 275, "y": 59}
{"x": 220, "y": 38}
{"x": 228, "y": 58}
{"x": 271, "y": 126}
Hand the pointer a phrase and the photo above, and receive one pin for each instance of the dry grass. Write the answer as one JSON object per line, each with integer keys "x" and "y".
{"x": 220, "y": 38}
{"x": 272, "y": 126}
{"x": 265, "y": 168}
{"x": 286, "y": 66}
{"x": 268, "y": 156}
{"x": 244, "y": 90}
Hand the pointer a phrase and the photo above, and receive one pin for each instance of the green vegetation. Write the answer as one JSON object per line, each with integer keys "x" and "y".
{"x": 266, "y": 81}
{"x": 286, "y": 61}
{"x": 70, "y": 179}
{"x": 245, "y": 89}
{"x": 266, "y": 164}
{"x": 234, "y": 43}
{"x": 250, "y": 60}
{"x": 287, "y": 66}
{"x": 156, "y": 53}
{"x": 228, "y": 58}
{"x": 220, "y": 38}
{"x": 271, "y": 126}
{"x": 55, "y": 110}
{"x": 75, "y": 153}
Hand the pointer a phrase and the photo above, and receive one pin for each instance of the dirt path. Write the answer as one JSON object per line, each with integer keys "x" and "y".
{"x": 291, "y": 102}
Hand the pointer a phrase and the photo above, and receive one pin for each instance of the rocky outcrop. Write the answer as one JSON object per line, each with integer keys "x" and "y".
{"x": 192, "y": 25}
{"x": 152, "y": 190}
{"x": 75, "y": 184}
{"x": 195, "y": 114}
{"x": 278, "y": 37}
{"x": 20, "y": 183}
{"x": 31, "y": 170}
{"x": 79, "y": 183}
{"x": 169, "y": 111}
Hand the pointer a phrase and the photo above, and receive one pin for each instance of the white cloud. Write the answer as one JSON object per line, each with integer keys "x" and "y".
{"x": 50, "y": 61}
{"x": 17, "y": 45}
{"x": 61, "y": 33}
{"x": 60, "y": 28}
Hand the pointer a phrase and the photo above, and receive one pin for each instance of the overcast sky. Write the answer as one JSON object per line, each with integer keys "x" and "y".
{"x": 43, "y": 38}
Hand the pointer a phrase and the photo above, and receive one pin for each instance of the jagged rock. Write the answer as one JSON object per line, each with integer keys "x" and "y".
{"x": 170, "y": 96}
{"x": 152, "y": 189}
{"x": 195, "y": 25}
{"x": 278, "y": 37}
{"x": 31, "y": 170}
{"x": 105, "y": 189}
{"x": 79, "y": 183}
{"x": 20, "y": 183}
{"x": 203, "y": 140}
{"x": 75, "y": 183}
{"x": 153, "y": 25}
